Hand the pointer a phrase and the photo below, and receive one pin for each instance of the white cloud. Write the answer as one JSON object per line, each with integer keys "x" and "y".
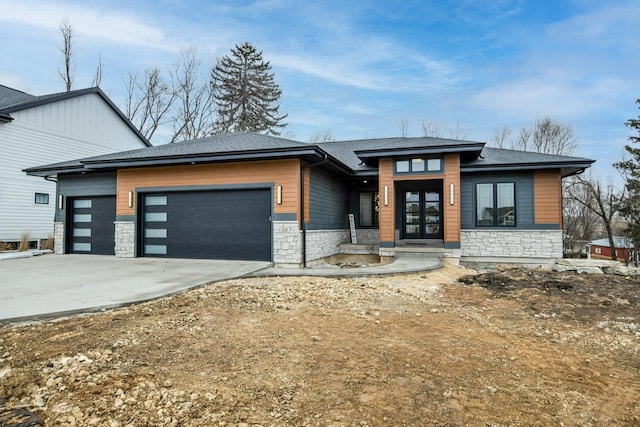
{"x": 107, "y": 24}
{"x": 535, "y": 97}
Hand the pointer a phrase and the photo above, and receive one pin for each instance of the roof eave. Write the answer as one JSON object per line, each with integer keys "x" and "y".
{"x": 312, "y": 154}
{"x": 413, "y": 151}
{"x": 5, "y": 118}
{"x": 44, "y": 172}
{"x": 569, "y": 167}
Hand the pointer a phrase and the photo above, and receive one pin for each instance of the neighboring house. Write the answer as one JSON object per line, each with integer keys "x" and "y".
{"x": 245, "y": 195}
{"x": 45, "y": 129}
{"x": 602, "y": 249}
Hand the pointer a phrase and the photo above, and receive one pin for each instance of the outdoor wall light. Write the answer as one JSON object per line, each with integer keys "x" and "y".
{"x": 60, "y": 201}
{"x": 279, "y": 194}
{"x": 386, "y": 195}
{"x": 452, "y": 197}
{"x": 130, "y": 204}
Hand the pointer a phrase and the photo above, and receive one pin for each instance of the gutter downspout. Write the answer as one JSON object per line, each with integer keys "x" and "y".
{"x": 302, "y": 222}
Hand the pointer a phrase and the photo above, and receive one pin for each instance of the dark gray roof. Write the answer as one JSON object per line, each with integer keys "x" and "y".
{"x": 344, "y": 157}
{"x": 12, "y": 100}
{"x": 228, "y": 143}
{"x": 9, "y": 96}
{"x": 503, "y": 159}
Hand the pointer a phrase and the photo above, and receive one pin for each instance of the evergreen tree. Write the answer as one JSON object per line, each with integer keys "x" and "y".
{"x": 630, "y": 168}
{"x": 246, "y": 94}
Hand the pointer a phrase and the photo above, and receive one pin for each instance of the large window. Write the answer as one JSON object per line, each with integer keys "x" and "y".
{"x": 495, "y": 204}
{"x": 368, "y": 209}
{"x": 419, "y": 165}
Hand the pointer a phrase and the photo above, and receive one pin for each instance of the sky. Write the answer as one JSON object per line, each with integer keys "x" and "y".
{"x": 361, "y": 68}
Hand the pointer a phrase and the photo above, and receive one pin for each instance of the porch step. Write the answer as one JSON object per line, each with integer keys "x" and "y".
{"x": 359, "y": 249}
{"x": 374, "y": 249}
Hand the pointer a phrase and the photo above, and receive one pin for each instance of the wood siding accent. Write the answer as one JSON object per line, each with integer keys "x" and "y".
{"x": 548, "y": 197}
{"x": 451, "y": 219}
{"x": 387, "y": 214}
{"x": 451, "y": 213}
{"x": 279, "y": 172}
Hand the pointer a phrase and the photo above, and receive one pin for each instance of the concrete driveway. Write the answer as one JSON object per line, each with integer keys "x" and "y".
{"x": 56, "y": 285}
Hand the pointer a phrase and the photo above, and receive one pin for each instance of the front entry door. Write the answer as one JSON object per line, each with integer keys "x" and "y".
{"x": 422, "y": 217}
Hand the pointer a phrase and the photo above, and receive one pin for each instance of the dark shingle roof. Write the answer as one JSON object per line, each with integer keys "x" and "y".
{"x": 228, "y": 143}
{"x": 343, "y": 156}
{"x": 492, "y": 157}
{"x": 9, "y": 96}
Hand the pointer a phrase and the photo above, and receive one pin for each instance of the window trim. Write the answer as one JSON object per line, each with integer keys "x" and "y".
{"x": 494, "y": 223}
{"x": 425, "y": 161}
{"x": 35, "y": 198}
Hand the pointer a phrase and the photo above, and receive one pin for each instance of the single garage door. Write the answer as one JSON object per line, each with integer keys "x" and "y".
{"x": 92, "y": 229}
{"x": 221, "y": 224}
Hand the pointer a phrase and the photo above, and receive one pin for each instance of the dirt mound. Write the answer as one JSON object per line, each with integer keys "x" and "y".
{"x": 508, "y": 347}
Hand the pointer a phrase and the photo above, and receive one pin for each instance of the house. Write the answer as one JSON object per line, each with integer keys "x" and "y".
{"x": 51, "y": 128}
{"x": 601, "y": 248}
{"x": 258, "y": 197}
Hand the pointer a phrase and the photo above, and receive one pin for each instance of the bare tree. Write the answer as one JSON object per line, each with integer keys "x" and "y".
{"x": 600, "y": 199}
{"x": 580, "y": 224}
{"x": 148, "y": 101}
{"x": 437, "y": 130}
{"x": 501, "y": 136}
{"x": 547, "y": 136}
{"x": 194, "y": 115}
{"x": 68, "y": 73}
{"x": 97, "y": 78}
{"x": 322, "y": 136}
{"x": 404, "y": 127}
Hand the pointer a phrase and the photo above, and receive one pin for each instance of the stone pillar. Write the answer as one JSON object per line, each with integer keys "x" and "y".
{"x": 58, "y": 238}
{"x": 287, "y": 243}
{"x": 125, "y": 239}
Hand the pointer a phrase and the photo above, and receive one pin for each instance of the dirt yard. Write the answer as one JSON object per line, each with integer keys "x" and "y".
{"x": 505, "y": 348}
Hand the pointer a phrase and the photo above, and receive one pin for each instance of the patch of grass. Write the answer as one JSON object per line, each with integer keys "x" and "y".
{"x": 4, "y": 246}
{"x": 24, "y": 242}
{"x": 48, "y": 243}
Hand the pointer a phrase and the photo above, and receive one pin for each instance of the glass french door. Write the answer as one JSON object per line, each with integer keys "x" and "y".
{"x": 422, "y": 217}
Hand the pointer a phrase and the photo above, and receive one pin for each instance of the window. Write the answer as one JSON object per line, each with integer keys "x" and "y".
{"x": 42, "y": 199}
{"x": 495, "y": 204}
{"x": 598, "y": 250}
{"x": 419, "y": 165}
{"x": 368, "y": 209}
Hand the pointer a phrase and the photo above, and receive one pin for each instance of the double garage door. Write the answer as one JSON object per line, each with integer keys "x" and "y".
{"x": 233, "y": 224}
{"x": 221, "y": 224}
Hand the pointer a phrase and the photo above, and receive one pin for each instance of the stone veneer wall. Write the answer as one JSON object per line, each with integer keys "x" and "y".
{"x": 287, "y": 242}
{"x": 58, "y": 238}
{"x": 324, "y": 243}
{"x": 367, "y": 235}
{"x": 125, "y": 239}
{"x": 512, "y": 243}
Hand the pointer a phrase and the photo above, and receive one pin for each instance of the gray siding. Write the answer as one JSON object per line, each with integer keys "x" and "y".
{"x": 97, "y": 184}
{"x": 524, "y": 198}
{"x": 328, "y": 202}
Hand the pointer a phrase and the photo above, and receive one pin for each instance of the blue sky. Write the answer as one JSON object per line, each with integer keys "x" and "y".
{"x": 358, "y": 68}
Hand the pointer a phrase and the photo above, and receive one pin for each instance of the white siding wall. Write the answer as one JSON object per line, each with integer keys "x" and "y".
{"x": 79, "y": 127}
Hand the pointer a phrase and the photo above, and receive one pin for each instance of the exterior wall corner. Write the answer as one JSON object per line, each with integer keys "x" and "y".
{"x": 125, "y": 239}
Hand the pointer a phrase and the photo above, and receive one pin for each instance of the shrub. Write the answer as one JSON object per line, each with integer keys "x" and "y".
{"x": 48, "y": 243}
{"x": 24, "y": 242}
